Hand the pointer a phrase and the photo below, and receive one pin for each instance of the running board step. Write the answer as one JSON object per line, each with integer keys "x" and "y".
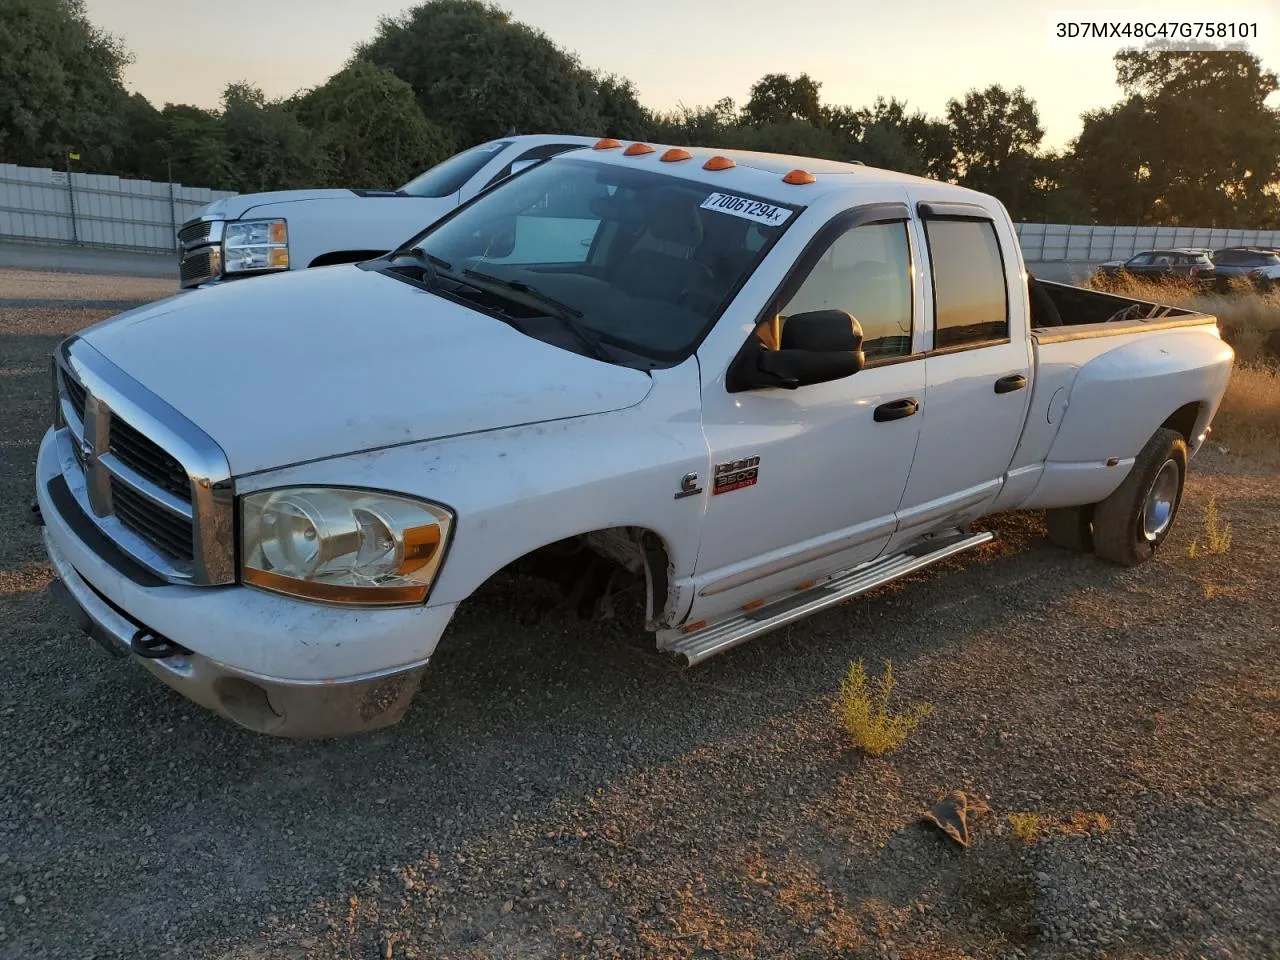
{"x": 718, "y": 637}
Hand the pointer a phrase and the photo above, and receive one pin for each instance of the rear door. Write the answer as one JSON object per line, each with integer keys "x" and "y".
{"x": 977, "y": 370}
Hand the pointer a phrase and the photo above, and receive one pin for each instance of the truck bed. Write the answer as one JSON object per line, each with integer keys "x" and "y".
{"x": 1078, "y": 313}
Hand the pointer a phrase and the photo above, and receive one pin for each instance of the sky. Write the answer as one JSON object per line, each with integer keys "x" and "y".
{"x": 677, "y": 51}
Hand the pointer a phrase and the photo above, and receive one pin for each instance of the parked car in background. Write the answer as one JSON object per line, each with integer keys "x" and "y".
{"x": 263, "y": 233}
{"x": 764, "y": 385}
{"x": 1258, "y": 263}
{"x": 1182, "y": 263}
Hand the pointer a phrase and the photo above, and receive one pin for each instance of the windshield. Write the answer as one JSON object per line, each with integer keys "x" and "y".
{"x": 448, "y": 176}
{"x": 639, "y": 260}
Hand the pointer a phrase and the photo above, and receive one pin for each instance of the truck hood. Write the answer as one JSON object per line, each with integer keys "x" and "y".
{"x": 319, "y": 363}
{"x": 233, "y": 208}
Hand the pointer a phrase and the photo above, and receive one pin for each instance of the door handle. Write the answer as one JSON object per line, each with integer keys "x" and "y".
{"x": 1015, "y": 381}
{"x": 896, "y": 409}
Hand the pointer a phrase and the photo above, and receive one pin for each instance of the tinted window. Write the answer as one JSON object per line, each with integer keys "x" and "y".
{"x": 866, "y": 272}
{"x": 970, "y": 299}
{"x": 448, "y": 176}
{"x": 645, "y": 261}
{"x": 1141, "y": 260}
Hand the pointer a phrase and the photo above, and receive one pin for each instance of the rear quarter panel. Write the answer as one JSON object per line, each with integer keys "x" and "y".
{"x": 1100, "y": 398}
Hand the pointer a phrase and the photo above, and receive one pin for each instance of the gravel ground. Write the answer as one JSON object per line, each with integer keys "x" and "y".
{"x": 68, "y": 287}
{"x": 564, "y": 790}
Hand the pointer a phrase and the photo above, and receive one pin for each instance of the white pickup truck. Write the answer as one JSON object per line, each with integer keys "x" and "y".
{"x": 760, "y": 386}
{"x": 254, "y": 234}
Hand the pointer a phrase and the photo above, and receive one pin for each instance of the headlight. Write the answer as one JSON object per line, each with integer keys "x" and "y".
{"x": 343, "y": 546}
{"x": 255, "y": 245}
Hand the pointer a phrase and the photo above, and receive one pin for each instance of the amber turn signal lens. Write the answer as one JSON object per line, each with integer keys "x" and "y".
{"x": 799, "y": 177}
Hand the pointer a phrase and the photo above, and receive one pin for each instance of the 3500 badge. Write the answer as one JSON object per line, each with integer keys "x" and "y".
{"x": 735, "y": 475}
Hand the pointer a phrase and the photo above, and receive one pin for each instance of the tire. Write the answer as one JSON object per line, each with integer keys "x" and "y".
{"x": 1071, "y": 528}
{"x": 1125, "y": 531}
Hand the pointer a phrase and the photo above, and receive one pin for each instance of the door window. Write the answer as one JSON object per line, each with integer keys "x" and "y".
{"x": 867, "y": 273}
{"x": 970, "y": 296}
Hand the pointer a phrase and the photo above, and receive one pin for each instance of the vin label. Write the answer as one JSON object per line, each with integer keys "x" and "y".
{"x": 735, "y": 475}
{"x": 766, "y": 213}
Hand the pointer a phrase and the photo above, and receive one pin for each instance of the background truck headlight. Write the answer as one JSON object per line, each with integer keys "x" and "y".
{"x": 255, "y": 245}
{"x": 342, "y": 545}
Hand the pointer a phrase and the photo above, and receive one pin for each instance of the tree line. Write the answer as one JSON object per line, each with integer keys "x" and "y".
{"x": 1192, "y": 141}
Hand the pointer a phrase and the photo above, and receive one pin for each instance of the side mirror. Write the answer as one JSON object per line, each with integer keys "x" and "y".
{"x": 816, "y": 347}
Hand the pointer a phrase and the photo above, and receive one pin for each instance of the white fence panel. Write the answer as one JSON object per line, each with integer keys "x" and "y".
{"x": 96, "y": 210}
{"x": 1050, "y": 242}
{"x": 37, "y": 203}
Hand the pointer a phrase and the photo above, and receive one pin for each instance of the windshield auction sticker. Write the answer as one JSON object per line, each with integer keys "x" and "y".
{"x": 765, "y": 213}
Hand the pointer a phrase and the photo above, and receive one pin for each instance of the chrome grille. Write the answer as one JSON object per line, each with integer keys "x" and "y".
{"x": 75, "y": 395}
{"x": 197, "y": 267}
{"x": 170, "y": 533}
{"x": 147, "y": 460}
{"x": 151, "y": 480}
{"x": 195, "y": 232}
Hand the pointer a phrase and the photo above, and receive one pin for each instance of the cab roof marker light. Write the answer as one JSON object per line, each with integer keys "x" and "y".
{"x": 674, "y": 154}
{"x": 799, "y": 177}
{"x": 637, "y": 150}
{"x": 606, "y": 143}
{"x": 719, "y": 163}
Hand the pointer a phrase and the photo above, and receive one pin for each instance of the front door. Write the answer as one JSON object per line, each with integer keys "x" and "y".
{"x": 807, "y": 481}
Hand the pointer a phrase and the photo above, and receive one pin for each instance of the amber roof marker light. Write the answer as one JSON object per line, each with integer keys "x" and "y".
{"x": 674, "y": 154}
{"x": 799, "y": 177}
{"x": 606, "y": 143}
{"x": 637, "y": 150}
{"x": 719, "y": 163}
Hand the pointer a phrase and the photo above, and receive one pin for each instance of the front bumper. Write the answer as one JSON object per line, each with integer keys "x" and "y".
{"x": 270, "y": 663}
{"x": 278, "y": 707}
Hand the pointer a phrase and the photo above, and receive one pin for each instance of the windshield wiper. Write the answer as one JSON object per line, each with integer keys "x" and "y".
{"x": 424, "y": 260}
{"x": 551, "y": 307}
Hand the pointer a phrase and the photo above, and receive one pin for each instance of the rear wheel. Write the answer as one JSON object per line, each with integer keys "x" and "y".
{"x": 1071, "y": 527}
{"x": 1130, "y": 524}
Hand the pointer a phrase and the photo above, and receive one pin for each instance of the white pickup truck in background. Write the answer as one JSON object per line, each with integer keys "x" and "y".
{"x": 760, "y": 386}
{"x": 253, "y": 234}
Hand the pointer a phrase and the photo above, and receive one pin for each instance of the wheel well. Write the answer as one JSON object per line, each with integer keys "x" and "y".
{"x": 1184, "y": 419}
{"x": 344, "y": 256}
{"x": 591, "y": 567}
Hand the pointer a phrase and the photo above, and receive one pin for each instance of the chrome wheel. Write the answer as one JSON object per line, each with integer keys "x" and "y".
{"x": 1162, "y": 500}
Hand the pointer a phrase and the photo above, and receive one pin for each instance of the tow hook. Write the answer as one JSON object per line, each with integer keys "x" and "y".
{"x": 35, "y": 515}
{"x": 152, "y": 646}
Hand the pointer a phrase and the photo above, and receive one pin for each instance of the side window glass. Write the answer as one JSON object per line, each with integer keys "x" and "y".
{"x": 1141, "y": 260}
{"x": 970, "y": 297}
{"x": 867, "y": 273}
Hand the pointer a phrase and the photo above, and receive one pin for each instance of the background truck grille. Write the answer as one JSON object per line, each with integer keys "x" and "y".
{"x": 197, "y": 267}
{"x": 146, "y": 458}
{"x": 171, "y": 534}
{"x": 193, "y": 233}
